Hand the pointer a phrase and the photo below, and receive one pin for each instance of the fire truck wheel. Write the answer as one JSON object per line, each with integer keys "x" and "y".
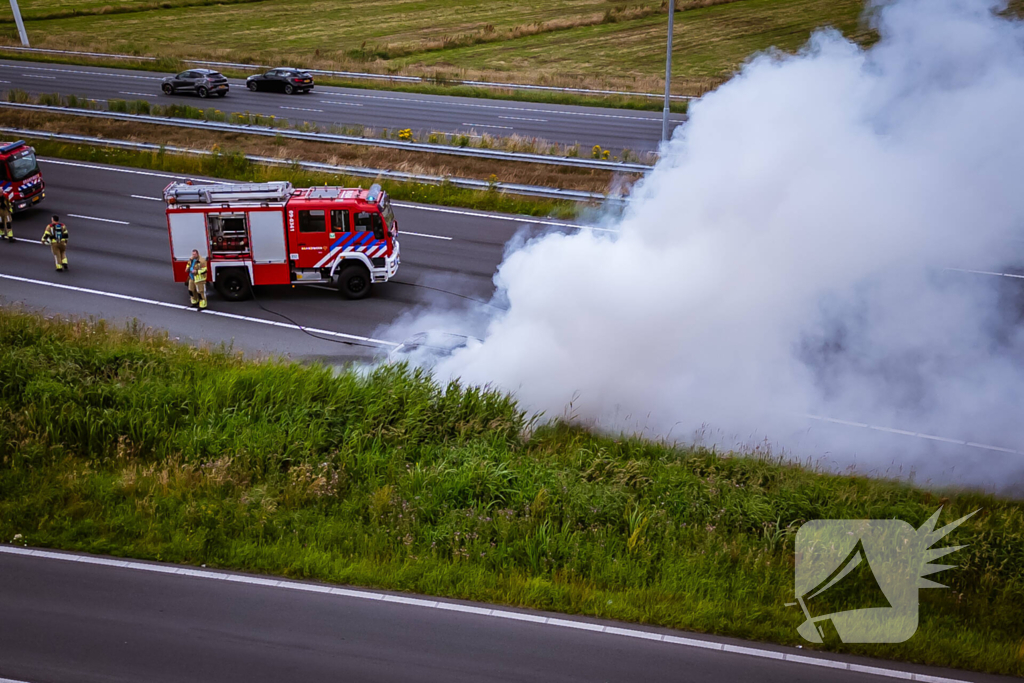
{"x": 354, "y": 281}
{"x": 202, "y": 92}
{"x": 168, "y": 89}
{"x": 233, "y": 284}
{"x": 288, "y": 89}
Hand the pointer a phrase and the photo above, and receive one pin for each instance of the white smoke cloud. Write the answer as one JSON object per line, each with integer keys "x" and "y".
{"x": 788, "y": 256}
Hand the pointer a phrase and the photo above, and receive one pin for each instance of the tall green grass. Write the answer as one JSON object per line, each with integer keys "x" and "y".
{"x": 122, "y": 442}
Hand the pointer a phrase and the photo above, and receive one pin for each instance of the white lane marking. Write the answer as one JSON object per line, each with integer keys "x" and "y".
{"x": 987, "y": 272}
{"x": 525, "y": 220}
{"x": 143, "y": 94}
{"x": 487, "y": 125}
{"x": 302, "y": 109}
{"x": 142, "y": 196}
{"x": 520, "y": 118}
{"x": 181, "y": 307}
{"x": 49, "y": 78}
{"x": 4, "y": 81}
{"x": 101, "y": 220}
{"x": 344, "y": 104}
{"x": 472, "y": 609}
{"x": 87, "y": 73}
{"x": 920, "y": 435}
{"x": 94, "y": 167}
{"x": 550, "y": 112}
{"x": 419, "y": 234}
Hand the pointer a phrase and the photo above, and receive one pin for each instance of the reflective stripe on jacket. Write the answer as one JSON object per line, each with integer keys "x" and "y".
{"x": 197, "y": 269}
{"x": 55, "y": 232}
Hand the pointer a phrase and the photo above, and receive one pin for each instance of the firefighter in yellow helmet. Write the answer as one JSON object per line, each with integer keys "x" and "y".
{"x": 56, "y": 235}
{"x": 6, "y": 216}
{"x": 197, "y": 279}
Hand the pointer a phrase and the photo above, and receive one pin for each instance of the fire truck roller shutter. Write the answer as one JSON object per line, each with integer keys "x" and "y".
{"x": 188, "y": 232}
{"x": 267, "y": 236}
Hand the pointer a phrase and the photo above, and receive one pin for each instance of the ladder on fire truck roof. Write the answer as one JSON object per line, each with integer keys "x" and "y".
{"x": 223, "y": 193}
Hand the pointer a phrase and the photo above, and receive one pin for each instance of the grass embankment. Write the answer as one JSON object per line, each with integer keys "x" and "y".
{"x": 124, "y": 443}
{"x": 228, "y": 163}
{"x": 569, "y": 43}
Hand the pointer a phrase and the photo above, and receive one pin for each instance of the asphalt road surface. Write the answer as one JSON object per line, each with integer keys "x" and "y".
{"x": 613, "y": 129}
{"x": 119, "y": 252}
{"x": 79, "y": 622}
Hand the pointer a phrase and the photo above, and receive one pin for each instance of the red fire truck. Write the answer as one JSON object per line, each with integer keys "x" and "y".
{"x": 274, "y": 234}
{"x": 19, "y": 175}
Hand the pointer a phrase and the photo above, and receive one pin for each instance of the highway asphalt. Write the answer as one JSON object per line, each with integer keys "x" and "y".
{"x": 119, "y": 248}
{"x": 82, "y": 622}
{"x": 613, "y": 129}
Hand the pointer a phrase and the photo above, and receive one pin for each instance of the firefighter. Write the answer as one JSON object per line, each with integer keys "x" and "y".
{"x": 197, "y": 279}
{"x": 6, "y": 216}
{"x": 56, "y": 235}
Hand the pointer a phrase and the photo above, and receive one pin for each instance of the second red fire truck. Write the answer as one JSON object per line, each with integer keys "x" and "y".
{"x": 19, "y": 175}
{"x": 274, "y": 234}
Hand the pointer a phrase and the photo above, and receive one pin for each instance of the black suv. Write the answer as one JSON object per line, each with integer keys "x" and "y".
{"x": 282, "y": 79}
{"x": 203, "y": 82}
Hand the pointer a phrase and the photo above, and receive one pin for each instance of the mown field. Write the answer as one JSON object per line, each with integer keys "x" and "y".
{"x": 122, "y": 442}
{"x": 590, "y": 43}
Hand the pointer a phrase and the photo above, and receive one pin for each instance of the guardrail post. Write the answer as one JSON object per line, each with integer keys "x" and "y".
{"x": 21, "y": 24}
{"x": 668, "y": 71}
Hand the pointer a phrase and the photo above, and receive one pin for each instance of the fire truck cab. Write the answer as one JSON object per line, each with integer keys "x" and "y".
{"x": 19, "y": 175}
{"x": 274, "y": 234}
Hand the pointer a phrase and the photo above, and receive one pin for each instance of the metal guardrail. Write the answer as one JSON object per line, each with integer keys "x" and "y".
{"x": 358, "y": 171}
{"x": 219, "y": 126}
{"x": 357, "y": 74}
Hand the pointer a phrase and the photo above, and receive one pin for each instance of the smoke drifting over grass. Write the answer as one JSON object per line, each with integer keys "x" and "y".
{"x": 789, "y": 256}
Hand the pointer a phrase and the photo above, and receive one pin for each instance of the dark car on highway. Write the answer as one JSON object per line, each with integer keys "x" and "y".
{"x": 202, "y": 82}
{"x": 282, "y": 79}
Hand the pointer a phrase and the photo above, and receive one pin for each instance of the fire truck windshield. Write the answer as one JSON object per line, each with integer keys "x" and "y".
{"x": 385, "y": 208}
{"x": 22, "y": 165}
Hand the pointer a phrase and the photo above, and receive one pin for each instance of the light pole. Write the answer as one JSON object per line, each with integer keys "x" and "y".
{"x": 19, "y": 22}
{"x": 668, "y": 69}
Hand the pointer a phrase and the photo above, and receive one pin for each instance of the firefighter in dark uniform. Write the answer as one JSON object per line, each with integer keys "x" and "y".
{"x": 6, "y": 217}
{"x": 197, "y": 279}
{"x": 56, "y": 235}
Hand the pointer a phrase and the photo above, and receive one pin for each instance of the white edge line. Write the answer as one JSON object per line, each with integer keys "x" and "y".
{"x": 920, "y": 435}
{"x": 182, "y": 307}
{"x": 525, "y": 220}
{"x": 499, "y": 613}
{"x": 420, "y": 234}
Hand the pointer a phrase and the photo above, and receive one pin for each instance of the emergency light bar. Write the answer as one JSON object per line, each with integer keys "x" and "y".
{"x": 374, "y": 193}
{"x": 187, "y": 193}
{"x": 13, "y": 145}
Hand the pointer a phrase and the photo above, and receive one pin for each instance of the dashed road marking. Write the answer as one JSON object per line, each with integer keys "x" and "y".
{"x": 101, "y": 220}
{"x": 321, "y": 111}
{"x": 520, "y": 118}
{"x": 487, "y": 125}
{"x": 142, "y": 196}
